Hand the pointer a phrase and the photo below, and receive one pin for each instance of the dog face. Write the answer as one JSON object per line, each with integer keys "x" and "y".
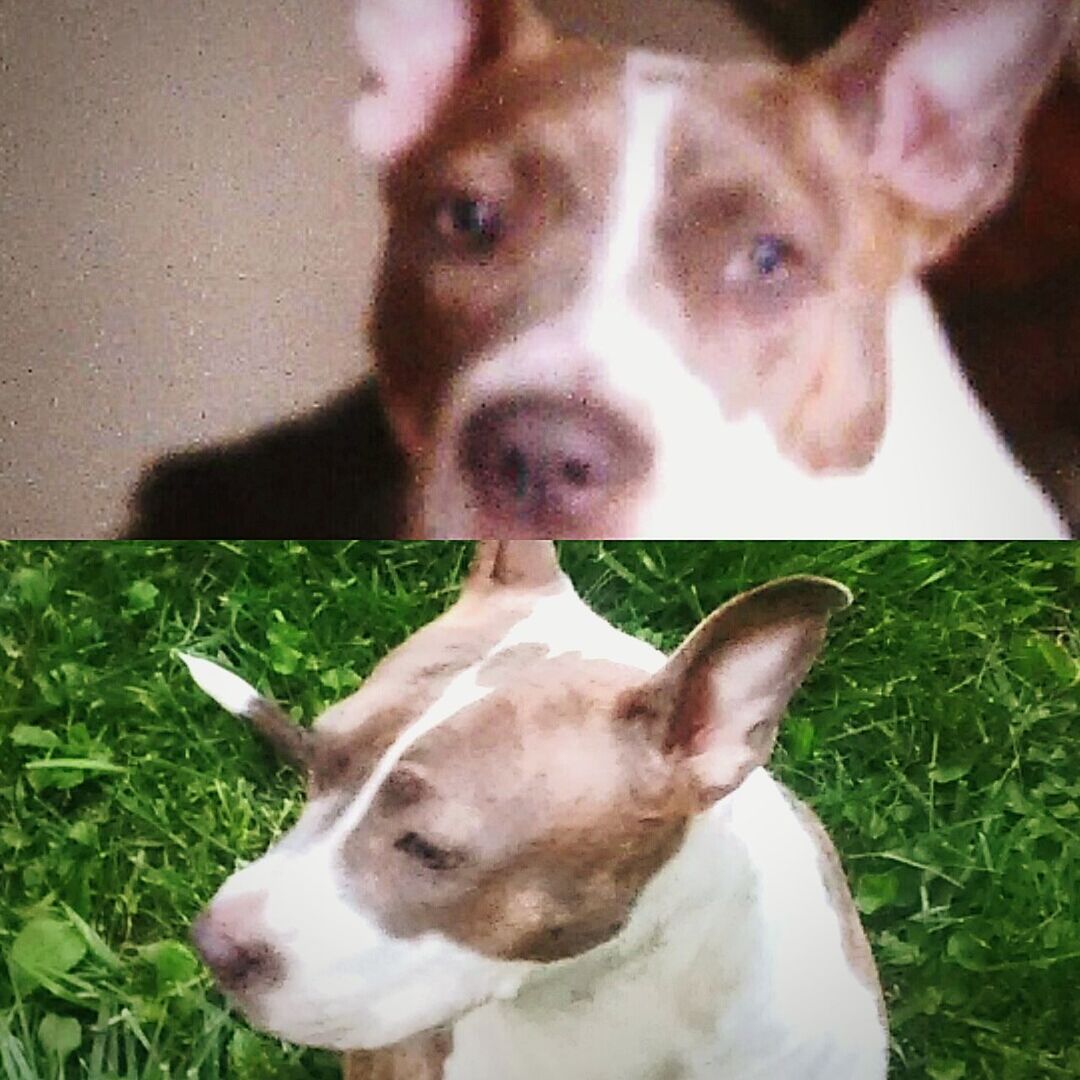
{"x": 494, "y": 798}
{"x": 605, "y": 268}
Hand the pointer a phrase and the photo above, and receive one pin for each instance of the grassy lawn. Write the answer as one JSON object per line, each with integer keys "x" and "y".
{"x": 938, "y": 738}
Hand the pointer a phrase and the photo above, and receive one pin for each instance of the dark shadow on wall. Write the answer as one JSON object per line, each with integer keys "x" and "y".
{"x": 798, "y": 27}
{"x": 334, "y": 474}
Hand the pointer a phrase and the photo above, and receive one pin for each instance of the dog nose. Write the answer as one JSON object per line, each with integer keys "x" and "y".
{"x": 551, "y": 464}
{"x": 226, "y": 937}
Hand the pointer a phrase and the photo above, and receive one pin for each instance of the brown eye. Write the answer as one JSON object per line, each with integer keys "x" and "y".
{"x": 428, "y": 854}
{"x": 475, "y": 223}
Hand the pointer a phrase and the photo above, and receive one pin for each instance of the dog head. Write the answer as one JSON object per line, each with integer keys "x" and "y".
{"x": 608, "y": 271}
{"x": 493, "y": 799}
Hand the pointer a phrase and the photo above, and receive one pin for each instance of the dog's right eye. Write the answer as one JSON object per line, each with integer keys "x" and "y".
{"x": 768, "y": 259}
{"x": 430, "y": 855}
{"x": 473, "y": 222}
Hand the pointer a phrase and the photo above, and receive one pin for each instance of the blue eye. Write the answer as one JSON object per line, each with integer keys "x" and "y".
{"x": 769, "y": 255}
{"x": 476, "y": 223}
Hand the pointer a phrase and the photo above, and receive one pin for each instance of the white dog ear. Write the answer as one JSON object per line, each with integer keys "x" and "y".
{"x": 716, "y": 706}
{"x": 416, "y": 51}
{"x": 938, "y": 92}
{"x": 233, "y": 694}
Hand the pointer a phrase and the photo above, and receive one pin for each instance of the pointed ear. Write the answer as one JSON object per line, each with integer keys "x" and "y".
{"x": 715, "y": 707}
{"x": 937, "y": 93}
{"x": 520, "y": 564}
{"x": 233, "y": 694}
{"x": 415, "y": 53}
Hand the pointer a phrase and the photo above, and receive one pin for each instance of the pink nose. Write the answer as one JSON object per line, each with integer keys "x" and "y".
{"x": 229, "y": 938}
{"x": 555, "y": 464}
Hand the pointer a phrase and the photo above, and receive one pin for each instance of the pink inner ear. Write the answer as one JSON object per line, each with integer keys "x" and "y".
{"x": 388, "y": 121}
{"x": 923, "y": 121}
{"x": 921, "y": 149}
{"x": 953, "y": 97}
{"x": 414, "y": 50}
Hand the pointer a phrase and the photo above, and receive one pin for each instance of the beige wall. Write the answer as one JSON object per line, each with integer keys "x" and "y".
{"x": 187, "y": 243}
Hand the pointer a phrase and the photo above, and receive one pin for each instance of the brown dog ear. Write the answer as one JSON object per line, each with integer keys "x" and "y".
{"x": 520, "y": 564}
{"x": 715, "y": 707}
{"x": 937, "y": 93}
{"x": 415, "y": 53}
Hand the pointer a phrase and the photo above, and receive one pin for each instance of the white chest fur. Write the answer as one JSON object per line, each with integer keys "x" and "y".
{"x": 732, "y": 965}
{"x": 941, "y": 470}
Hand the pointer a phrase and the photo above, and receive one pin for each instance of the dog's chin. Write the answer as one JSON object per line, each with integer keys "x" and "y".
{"x": 463, "y": 516}
{"x": 341, "y": 1025}
{"x": 339, "y": 1032}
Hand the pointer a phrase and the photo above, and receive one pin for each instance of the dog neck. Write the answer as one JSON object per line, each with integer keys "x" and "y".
{"x": 710, "y": 969}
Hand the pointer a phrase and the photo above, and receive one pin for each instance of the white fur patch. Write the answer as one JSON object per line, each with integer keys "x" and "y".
{"x": 650, "y": 101}
{"x": 942, "y": 470}
{"x": 227, "y": 689}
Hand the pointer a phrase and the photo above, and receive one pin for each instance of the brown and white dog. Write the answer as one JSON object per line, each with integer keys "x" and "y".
{"x": 535, "y": 848}
{"x": 628, "y": 293}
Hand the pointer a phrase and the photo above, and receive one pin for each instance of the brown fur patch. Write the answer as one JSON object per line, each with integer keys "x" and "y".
{"x": 419, "y": 1058}
{"x": 503, "y": 666}
{"x": 552, "y": 813}
{"x": 288, "y": 739}
{"x": 353, "y": 734}
{"x": 755, "y": 154}
{"x": 539, "y": 140}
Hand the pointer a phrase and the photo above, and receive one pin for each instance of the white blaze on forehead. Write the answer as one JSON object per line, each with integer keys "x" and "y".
{"x": 604, "y": 340}
{"x": 563, "y": 623}
{"x": 463, "y": 690}
{"x": 652, "y": 86}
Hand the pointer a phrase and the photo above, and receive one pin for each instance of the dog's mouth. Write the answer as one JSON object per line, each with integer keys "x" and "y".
{"x": 551, "y": 465}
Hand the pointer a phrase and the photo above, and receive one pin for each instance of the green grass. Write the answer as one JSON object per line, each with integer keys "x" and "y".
{"x": 938, "y": 739}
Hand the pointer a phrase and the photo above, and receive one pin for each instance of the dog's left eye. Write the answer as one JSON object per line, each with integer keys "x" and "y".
{"x": 430, "y": 855}
{"x": 476, "y": 222}
{"x": 767, "y": 259}
{"x": 769, "y": 255}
